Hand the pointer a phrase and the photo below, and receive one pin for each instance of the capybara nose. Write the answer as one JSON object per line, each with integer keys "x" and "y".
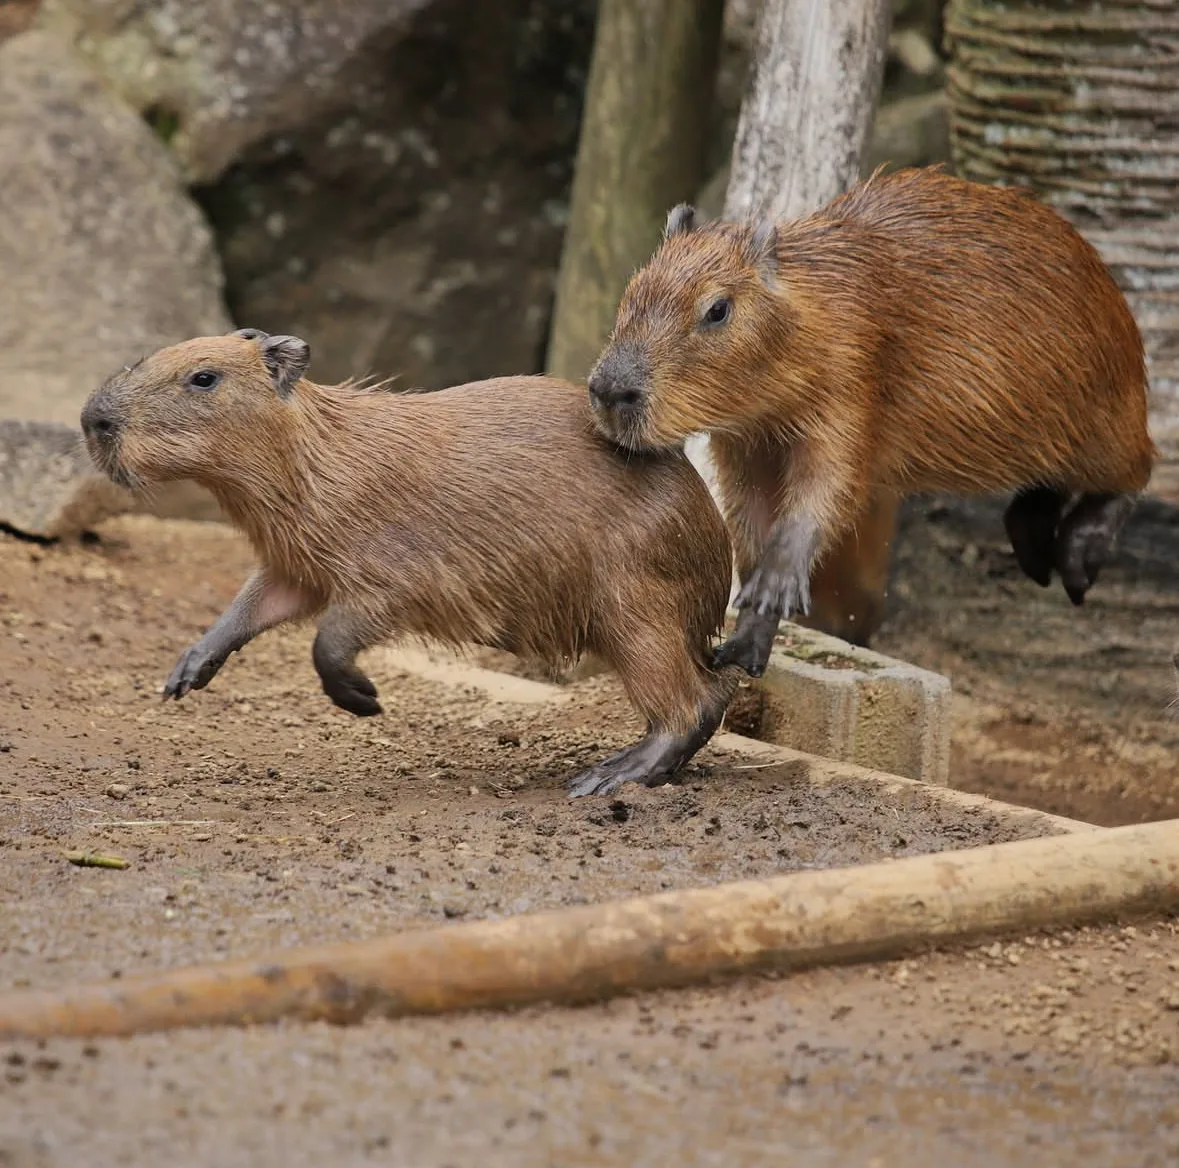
{"x": 613, "y": 392}
{"x": 98, "y": 422}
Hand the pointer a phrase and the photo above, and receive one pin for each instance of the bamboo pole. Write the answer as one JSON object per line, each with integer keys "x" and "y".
{"x": 877, "y": 911}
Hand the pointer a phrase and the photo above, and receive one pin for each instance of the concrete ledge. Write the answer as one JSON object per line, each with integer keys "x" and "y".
{"x": 823, "y": 696}
{"x": 875, "y": 782}
{"x": 808, "y": 661}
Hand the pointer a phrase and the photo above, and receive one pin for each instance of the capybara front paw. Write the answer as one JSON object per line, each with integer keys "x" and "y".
{"x": 750, "y": 645}
{"x": 195, "y": 669}
{"x": 353, "y": 692}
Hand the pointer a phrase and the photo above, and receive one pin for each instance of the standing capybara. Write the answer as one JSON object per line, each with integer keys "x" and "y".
{"x": 490, "y": 513}
{"x": 919, "y": 333}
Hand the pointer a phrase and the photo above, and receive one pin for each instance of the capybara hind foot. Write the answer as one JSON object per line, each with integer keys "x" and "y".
{"x": 352, "y": 691}
{"x": 1031, "y": 519}
{"x": 632, "y": 765}
{"x": 651, "y": 761}
{"x": 1087, "y": 540}
{"x": 340, "y": 637}
{"x": 655, "y": 757}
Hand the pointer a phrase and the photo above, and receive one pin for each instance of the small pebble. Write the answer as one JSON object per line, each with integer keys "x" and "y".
{"x": 118, "y": 790}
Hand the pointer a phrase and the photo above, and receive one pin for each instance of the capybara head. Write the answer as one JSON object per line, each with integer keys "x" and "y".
{"x": 695, "y": 326}
{"x": 175, "y": 414}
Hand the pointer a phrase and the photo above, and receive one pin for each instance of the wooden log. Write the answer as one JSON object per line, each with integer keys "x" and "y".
{"x": 877, "y": 911}
{"x": 642, "y": 150}
{"x": 805, "y": 122}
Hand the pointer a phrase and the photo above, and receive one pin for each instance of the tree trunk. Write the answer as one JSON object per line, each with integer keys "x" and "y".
{"x": 642, "y": 150}
{"x": 805, "y": 122}
{"x": 806, "y": 118}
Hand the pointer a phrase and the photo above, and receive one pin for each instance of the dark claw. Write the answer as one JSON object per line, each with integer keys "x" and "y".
{"x": 352, "y": 691}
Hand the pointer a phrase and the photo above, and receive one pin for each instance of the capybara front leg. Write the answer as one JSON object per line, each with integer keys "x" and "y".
{"x": 1087, "y": 540}
{"x": 341, "y": 635}
{"x": 777, "y": 587}
{"x": 1031, "y": 519}
{"x": 260, "y": 605}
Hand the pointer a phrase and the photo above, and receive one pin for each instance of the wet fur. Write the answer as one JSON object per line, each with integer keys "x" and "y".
{"x": 489, "y": 513}
{"x": 920, "y": 333}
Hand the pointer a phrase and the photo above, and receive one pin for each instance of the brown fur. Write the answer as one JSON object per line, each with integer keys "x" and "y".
{"x": 490, "y": 513}
{"x": 920, "y": 333}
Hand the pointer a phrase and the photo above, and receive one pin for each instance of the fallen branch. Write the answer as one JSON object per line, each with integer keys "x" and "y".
{"x": 877, "y": 911}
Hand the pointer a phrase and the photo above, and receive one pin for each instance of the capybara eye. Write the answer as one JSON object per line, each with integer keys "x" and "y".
{"x": 204, "y": 379}
{"x": 718, "y": 311}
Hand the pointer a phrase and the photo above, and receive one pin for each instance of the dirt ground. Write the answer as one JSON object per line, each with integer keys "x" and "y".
{"x": 254, "y": 815}
{"x": 1055, "y": 707}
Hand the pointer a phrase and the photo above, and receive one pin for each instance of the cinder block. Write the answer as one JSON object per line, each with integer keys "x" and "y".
{"x": 826, "y": 697}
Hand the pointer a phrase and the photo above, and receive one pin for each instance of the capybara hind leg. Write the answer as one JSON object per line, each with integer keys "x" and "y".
{"x": 657, "y": 756}
{"x": 341, "y": 635}
{"x": 1031, "y": 519}
{"x": 1087, "y": 540}
{"x": 849, "y": 583}
{"x": 779, "y": 585}
{"x": 259, "y": 605}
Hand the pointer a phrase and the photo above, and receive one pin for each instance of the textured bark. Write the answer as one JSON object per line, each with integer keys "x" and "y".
{"x": 808, "y": 113}
{"x": 1079, "y": 103}
{"x": 805, "y": 123}
{"x": 642, "y": 149}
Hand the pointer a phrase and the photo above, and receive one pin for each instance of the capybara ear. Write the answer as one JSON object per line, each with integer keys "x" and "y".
{"x": 680, "y": 220}
{"x": 250, "y": 334}
{"x": 286, "y": 359}
{"x": 762, "y": 248}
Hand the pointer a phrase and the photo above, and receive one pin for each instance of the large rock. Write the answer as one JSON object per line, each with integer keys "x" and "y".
{"x": 216, "y": 76}
{"x": 105, "y": 257}
{"x": 48, "y": 487}
{"x": 418, "y": 232}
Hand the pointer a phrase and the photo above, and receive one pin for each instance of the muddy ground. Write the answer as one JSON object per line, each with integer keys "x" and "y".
{"x": 254, "y": 814}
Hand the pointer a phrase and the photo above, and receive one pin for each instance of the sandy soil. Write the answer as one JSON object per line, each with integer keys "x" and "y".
{"x": 255, "y": 814}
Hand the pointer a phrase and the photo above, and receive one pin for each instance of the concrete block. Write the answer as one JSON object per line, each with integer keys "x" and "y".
{"x": 48, "y": 485}
{"x": 825, "y": 697}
